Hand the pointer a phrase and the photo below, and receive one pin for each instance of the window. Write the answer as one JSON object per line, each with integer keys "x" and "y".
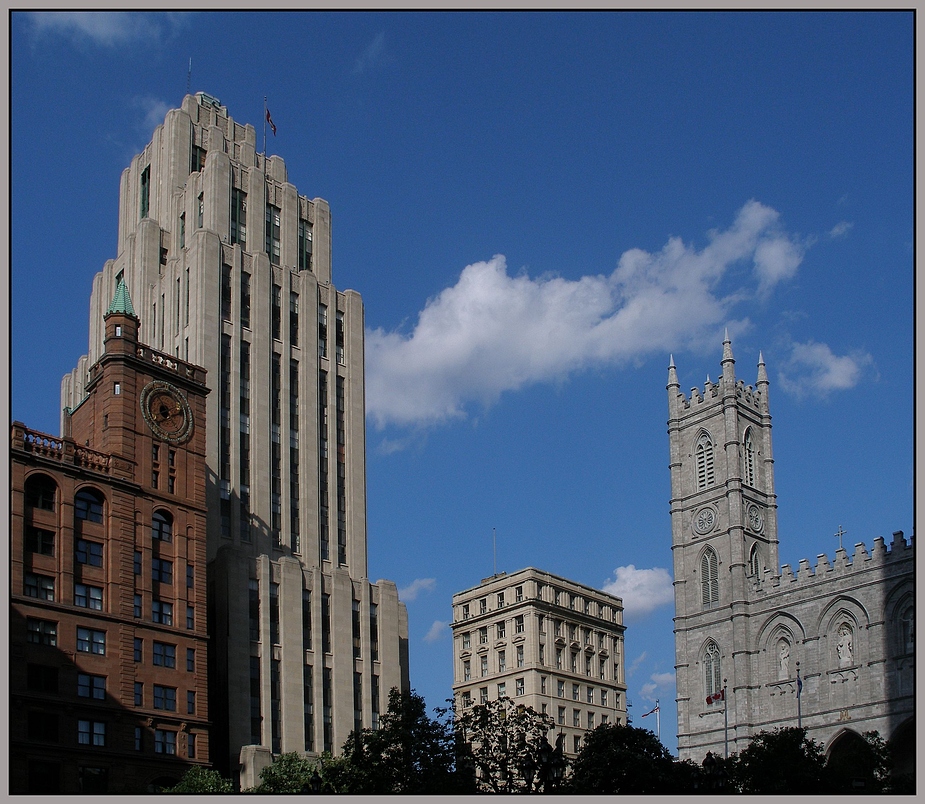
{"x": 587, "y": 665}
{"x": 200, "y": 208}
{"x": 518, "y": 686}
{"x": 190, "y": 618}
{"x": 162, "y": 526}
{"x": 239, "y": 217}
{"x": 91, "y": 686}
{"x": 466, "y": 699}
{"x": 165, "y": 655}
{"x": 246, "y": 300}
{"x": 271, "y": 244}
{"x": 92, "y": 780}
{"x": 518, "y": 594}
{"x": 138, "y": 741}
{"x": 502, "y": 689}
{"x": 576, "y": 743}
{"x": 305, "y": 245}
{"x": 323, "y": 352}
{"x": 590, "y": 720}
{"x": 560, "y": 689}
{"x": 39, "y": 541}
{"x": 161, "y": 571}
{"x": 225, "y": 293}
{"x": 576, "y": 692}
{"x": 88, "y": 597}
{"x": 542, "y": 654}
{"x": 704, "y": 461}
{"x": 41, "y": 678}
{"x": 520, "y": 655}
{"x": 603, "y": 697}
{"x": 467, "y": 670}
{"x": 182, "y": 230}
{"x": 162, "y": 612}
{"x": 500, "y": 628}
{"x": 294, "y": 319}
{"x": 190, "y": 660}
{"x": 91, "y": 732}
{"x": 590, "y": 695}
{"x": 91, "y": 641}
{"x": 500, "y": 600}
{"x": 907, "y": 626}
{"x": 574, "y": 662}
{"x": 139, "y": 693}
{"x": 483, "y": 635}
{"x": 137, "y": 650}
{"x": 165, "y": 742}
{"x": 483, "y": 695}
{"x": 502, "y": 663}
{"x": 145, "y": 190}
{"x": 576, "y": 717}
{"x": 558, "y": 658}
{"x": 560, "y": 716}
{"x": 754, "y": 562}
{"x": 483, "y": 666}
{"x": 483, "y": 606}
{"x": 573, "y": 633}
{"x": 519, "y": 624}
{"x": 712, "y": 671}
{"x": 542, "y": 685}
{"x": 88, "y": 505}
{"x": 709, "y": 578}
{"x": 749, "y": 456}
{"x": 191, "y": 746}
{"x": 165, "y": 698}
{"x": 466, "y": 640}
{"x": 136, "y": 562}
{"x": 40, "y": 493}
{"x": 40, "y": 586}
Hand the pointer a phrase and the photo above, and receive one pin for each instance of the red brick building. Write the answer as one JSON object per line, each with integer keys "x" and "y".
{"x": 108, "y": 671}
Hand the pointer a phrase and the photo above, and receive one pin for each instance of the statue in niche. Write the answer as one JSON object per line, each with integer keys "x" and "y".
{"x": 783, "y": 660}
{"x": 844, "y": 646}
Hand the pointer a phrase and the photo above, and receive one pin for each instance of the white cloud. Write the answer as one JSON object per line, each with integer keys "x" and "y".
{"x": 634, "y": 665}
{"x": 658, "y": 682}
{"x": 107, "y": 28}
{"x": 492, "y": 332}
{"x": 813, "y": 369}
{"x": 642, "y": 590}
{"x": 411, "y": 591}
{"x": 371, "y": 56}
{"x": 840, "y": 229}
{"x": 437, "y": 631}
{"x": 154, "y": 111}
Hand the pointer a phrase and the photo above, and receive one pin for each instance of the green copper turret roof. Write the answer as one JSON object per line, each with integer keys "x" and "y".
{"x": 121, "y": 301}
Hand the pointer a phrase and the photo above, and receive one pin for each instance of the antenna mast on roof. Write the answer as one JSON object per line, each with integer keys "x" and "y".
{"x": 494, "y": 547}
{"x": 189, "y": 74}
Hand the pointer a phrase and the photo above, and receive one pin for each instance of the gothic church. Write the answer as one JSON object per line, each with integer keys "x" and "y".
{"x": 759, "y": 646}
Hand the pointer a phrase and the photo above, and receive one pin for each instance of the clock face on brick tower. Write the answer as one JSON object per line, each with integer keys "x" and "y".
{"x": 166, "y": 412}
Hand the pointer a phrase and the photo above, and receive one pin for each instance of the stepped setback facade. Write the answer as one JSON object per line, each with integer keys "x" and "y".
{"x": 759, "y": 646}
{"x": 230, "y": 268}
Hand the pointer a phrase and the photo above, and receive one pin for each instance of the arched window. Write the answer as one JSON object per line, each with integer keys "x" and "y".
{"x": 88, "y": 505}
{"x": 709, "y": 578}
{"x": 40, "y": 492}
{"x": 754, "y": 561}
{"x": 704, "y": 457}
{"x": 749, "y": 468}
{"x": 907, "y": 630}
{"x": 162, "y": 526}
{"x": 712, "y": 670}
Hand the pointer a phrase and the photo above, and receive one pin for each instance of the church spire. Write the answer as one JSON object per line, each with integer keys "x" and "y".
{"x": 121, "y": 301}
{"x": 672, "y": 373}
{"x": 728, "y": 361}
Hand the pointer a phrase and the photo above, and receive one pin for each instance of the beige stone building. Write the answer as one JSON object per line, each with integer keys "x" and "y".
{"x": 749, "y": 634}
{"x": 230, "y": 268}
{"x": 552, "y": 644}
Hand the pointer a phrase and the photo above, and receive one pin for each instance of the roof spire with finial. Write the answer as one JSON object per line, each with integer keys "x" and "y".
{"x": 672, "y": 373}
{"x": 121, "y": 301}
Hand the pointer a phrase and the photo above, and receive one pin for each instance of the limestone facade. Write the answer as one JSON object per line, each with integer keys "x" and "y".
{"x": 545, "y": 642}
{"x": 230, "y": 267}
{"x": 828, "y": 647}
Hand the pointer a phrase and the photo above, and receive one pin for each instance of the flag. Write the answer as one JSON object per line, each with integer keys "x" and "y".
{"x": 717, "y": 696}
{"x": 272, "y": 124}
{"x": 799, "y": 686}
{"x": 651, "y": 711}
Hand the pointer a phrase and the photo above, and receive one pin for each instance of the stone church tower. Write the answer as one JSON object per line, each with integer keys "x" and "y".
{"x": 743, "y": 624}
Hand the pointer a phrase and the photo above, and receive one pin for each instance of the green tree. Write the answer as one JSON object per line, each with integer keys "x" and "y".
{"x": 502, "y": 743}
{"x": 202, "y": 780}
{"x": 288, "y": 773}
{"x": 780, "y": 762}
{"x": 615, "y": 759}
{"x": 410, "y": 753}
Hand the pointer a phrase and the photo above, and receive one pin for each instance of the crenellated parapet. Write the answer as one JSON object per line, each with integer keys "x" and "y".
{"x": 880, "y": 556}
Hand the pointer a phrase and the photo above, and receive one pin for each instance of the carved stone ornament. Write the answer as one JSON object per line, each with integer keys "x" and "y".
{"x": 755, "y": 519}
{"x": 704, "y": 520}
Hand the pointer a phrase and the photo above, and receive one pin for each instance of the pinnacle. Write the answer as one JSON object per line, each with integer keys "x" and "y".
{"x": 121, "y": 301}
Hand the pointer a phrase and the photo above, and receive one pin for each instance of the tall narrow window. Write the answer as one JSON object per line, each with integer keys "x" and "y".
{"x": 294, "y": 530}
{"x": 712, "y": 671}
{"x": 183, "y": 230}
{"x": 226, "y": 293}
{"x": 704, "y": 458}
{"x": 709, "y": 578}
{"x": 294, "y": 319}
{"x": 754, "y": 561}
{"x": 256, "y": 717}
{"x": 145, "y": 190}
{"x": 339, "y": 337}
{"x": 749, "y": 456}
{"x": 246, "y": 300}
{"x": 272, "y": 234}
{"x": 277, "y": 311}
{"x": 308, "y": 704}
{"x": 305, "y": 245}
{"x": 323, "y": 519}
{"x": 199, "y": 211}
{"x": 322, "y": 331}
{"x": 239, "y": 217}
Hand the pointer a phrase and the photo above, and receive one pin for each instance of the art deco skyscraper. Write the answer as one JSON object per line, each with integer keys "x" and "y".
{"x": 231, "y": 268}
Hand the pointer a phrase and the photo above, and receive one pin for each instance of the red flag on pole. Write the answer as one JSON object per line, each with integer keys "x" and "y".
{"x": 717, "y": 696}
{"x": 272, "y": 124}
{"x": 651, "y": 711}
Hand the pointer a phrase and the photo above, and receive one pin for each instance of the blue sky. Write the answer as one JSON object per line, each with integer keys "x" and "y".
{"x": 538, "y": 209}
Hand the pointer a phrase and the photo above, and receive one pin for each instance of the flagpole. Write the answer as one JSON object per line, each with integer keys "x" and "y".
{"x": 725, "y": 722}
{"x": 799, "y": 698}
{"x": 264, "y": 128}
{"x": 658, "y": 721}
